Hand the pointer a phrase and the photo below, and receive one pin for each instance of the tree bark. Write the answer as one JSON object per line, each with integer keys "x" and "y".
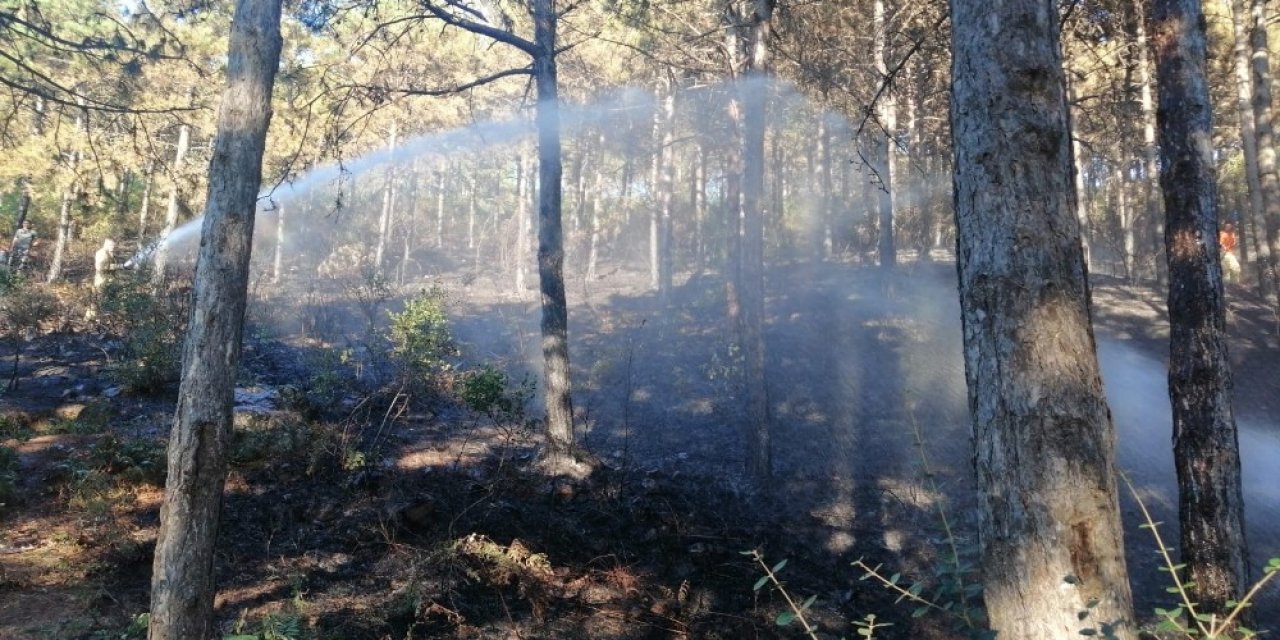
{"x": 1150, "y": 181}
{"x": 440, "y": 209}
{"x": 755, "y": 90}
{"x": 1264, "y": 125}
{"x": 555, "y": 313}
{"x": 24, "y": 202}
{"x": 1206, "y": 452}
{"x": 144, "y": 208}
{"x": 70, "y": 195}
{"x": 388, "y": 202}
{"x": 1253, "y": 215}
{"x": 182, "y": 583}
{"x": 666, "y": 187}
{"x": 1048, "y": 513}
{"x": 277, "y": 260}
{"x": 161, "y": 263}
{"x": 886, "y": 112}
{"x": 523, "y": 226}
{"x": 597, "y": 187}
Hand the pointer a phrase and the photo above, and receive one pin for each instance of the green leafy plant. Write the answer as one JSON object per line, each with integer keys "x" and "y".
{"x": 420, "y": 339}
{"x": 135, "y": 629}
{"x": 488, "y": 391}
{"x": 151, "y": 325}
{"x": 23, "y": 307}
{"x": 954, "y": 591}
{"x": 1185, "y": 619}
{"x": 796, "y": 611}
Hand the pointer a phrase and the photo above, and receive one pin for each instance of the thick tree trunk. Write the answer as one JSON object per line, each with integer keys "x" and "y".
{"x": 182, "y": 583}
{"x": 161, "y": 263}
{"x": 1206, "y": 453}
{"x": 1265, "y": 127}
{"x": 555, "y": 313}
{"x": 1043, "y": 440}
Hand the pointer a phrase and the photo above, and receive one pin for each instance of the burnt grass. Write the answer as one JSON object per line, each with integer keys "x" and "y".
{"x": 340, "y": 522}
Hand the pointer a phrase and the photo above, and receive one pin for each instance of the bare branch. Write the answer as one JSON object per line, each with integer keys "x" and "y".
{"x": 443, "y": 91}
{"x": 479, "y": 28}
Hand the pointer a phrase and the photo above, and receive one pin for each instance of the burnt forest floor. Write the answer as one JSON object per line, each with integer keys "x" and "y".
{"x": 356, "y": 512}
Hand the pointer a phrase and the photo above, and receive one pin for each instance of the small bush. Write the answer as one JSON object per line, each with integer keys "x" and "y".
{"x": 489, "y": 392}
{"x": 23, "y": 307}
{"x": 420, "y": 340}
{"x": 267, "y": 441}
{"x": 151, "y": 325}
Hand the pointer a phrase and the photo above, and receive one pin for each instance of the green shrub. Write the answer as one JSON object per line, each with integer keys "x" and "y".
{"x": 23, "y": 307}
{"x": 151, "y": 325}
{"x": 420, "y": 340}
{"x": 488, "y": 391}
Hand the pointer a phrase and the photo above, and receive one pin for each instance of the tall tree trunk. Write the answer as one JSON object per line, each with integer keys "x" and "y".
{"x": 523, "y": 226}
{"x": 123, "y": 189}
{"x": 666, "y": 185}
{"x": 388, "y": 202}
{"x": 1127, "y": 213}
{"x": 440, "y": 209}
{"x": 1263, "y": 123}
{"x": 182, "y": 582}
{"x": 555, "y": 313}
{"x": 597, "y": 187}
{"x": 144, "y": 207}
{"x": 1081, "y": 191}
{"x": 1253, "y": 215}
{"x": 161, "y": 263}
{"x": 24, "y": 202}
{"x": 472, "y": 187}
{"x": 277, "y": 260}
{"x": 886, "y": 112}
{"x": 1150, "y": 182}
{"x": 822, "y": 219}
{"x": 698, "y": 197}
{"x": 64, "y": 233}
{"x": 70, "y": 195}
{"x": 409, "y": 226}
{"x": 1048, "y": 515}
{"x": 1205, "y": 449}
{"x": 755, "y": 90}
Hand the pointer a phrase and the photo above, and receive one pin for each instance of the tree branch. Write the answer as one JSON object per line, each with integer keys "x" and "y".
{"x": 479, "y": 28}
{"x": 443, "y": 91}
